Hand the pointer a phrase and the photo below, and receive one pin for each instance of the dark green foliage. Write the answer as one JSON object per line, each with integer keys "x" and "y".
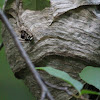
{"x": 1, "y": 3}
{"x": 35, "y": 4}
{"x": 29, "y": 4}
{"x": 41, "y": 4}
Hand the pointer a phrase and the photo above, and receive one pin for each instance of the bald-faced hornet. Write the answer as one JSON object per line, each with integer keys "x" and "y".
{"x": 26, "y": 36}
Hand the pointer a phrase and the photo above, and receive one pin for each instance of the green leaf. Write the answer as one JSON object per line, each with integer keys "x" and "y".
{"x": 29, "y": 4}
{"x": 35, "y": 4}
{"x": 2, "y": 3}
{"x": 64, "y": 76}
{"x": 91, "y": 75}
{"x": 90, "y": 92}
{"x": 41, "y": 4}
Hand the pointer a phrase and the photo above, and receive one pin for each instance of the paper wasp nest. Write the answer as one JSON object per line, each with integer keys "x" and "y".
{"x": 66, "y": 37}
